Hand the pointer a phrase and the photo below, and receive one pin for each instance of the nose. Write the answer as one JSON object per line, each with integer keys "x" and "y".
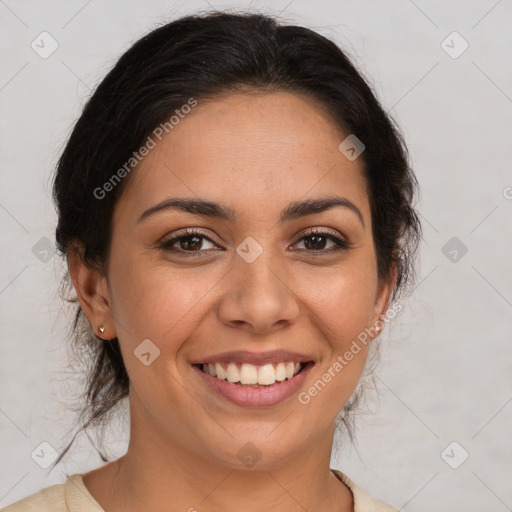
{"x": 259, "y": 297}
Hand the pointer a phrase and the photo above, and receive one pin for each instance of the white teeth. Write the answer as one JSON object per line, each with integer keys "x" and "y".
{"x": 266, "y": 375}
{"x": 280, "y": 372}
{"x": 233, "y": 373}
{"x": 219, "y": 372}
{"x": 249, "y": 374}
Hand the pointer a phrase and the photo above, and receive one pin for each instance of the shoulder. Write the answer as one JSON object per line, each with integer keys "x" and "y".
{"x": 71, "y": 496}
{"x": 363, "y": 502}
{"x": 49, "y": 499}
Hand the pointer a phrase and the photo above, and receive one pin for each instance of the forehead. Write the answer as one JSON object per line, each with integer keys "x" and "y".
{"x": 252, "y": 150}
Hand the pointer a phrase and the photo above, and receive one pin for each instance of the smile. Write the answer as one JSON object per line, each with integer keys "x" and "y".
{"x": 249, "y": 385}
{"x": 249, "y": 374}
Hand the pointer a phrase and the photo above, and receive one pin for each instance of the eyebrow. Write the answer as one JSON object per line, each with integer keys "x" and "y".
{"x": 212, "y": 209}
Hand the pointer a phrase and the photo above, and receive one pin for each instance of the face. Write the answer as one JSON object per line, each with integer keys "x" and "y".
{"x": 250, "y": 280}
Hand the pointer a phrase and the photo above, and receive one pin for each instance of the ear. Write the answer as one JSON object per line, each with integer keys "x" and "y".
{"x": 92, "y": 291}
{"x": 382, "y": 301}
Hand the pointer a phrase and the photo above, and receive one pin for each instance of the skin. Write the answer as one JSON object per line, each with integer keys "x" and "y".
{"x": 255, "y": 152}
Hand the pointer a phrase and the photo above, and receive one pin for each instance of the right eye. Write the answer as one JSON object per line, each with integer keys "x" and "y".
{"x": 189, "y": 243}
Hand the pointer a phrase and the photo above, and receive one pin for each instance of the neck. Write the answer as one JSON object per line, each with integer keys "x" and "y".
{"x": 159, "y": 475}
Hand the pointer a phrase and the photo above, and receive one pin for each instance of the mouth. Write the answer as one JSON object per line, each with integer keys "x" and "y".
{"x": 246, "y": 374}
{"x": 252, "y": 385}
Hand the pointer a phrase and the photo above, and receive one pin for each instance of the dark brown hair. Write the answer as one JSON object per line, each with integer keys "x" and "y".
{"x": 203, "y": 56}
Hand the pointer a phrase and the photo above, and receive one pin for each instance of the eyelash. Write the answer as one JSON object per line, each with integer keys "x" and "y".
{"x": 342, "y": 245}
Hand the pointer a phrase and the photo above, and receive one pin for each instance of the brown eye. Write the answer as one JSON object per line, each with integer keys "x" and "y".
{"x": 192, "y": 243}
{"x": 317, "y": 241}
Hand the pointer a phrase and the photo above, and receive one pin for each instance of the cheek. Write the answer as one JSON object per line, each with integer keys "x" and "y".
{"x": 150, "y": 302}
{"x": 350, "y": 307}
{"x": 342, "y": 305}
{"x": 343, "y": 300}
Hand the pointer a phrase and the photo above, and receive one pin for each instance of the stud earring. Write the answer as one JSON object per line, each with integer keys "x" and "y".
{"x": 101, "y": 329}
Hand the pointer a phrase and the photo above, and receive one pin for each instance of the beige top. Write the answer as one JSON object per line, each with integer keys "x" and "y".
{"x": 73, "y": 496}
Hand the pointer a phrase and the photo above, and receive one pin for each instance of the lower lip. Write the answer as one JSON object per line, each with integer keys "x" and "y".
{"x": 256, "y": 397}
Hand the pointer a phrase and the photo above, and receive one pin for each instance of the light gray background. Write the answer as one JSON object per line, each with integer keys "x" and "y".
{"x": 445, "y": 374}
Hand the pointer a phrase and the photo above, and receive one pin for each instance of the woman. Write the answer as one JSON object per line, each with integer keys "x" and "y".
{"x": 236, "y": 211}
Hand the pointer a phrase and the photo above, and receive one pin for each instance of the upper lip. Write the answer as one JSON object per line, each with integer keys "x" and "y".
{"x": 257, "y": 359}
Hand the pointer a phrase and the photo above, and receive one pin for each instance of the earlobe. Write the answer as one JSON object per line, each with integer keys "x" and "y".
{"x": 92, "y": 291}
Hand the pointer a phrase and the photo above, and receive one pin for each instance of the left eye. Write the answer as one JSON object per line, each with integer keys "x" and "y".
{"x": 318, "y": 240}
